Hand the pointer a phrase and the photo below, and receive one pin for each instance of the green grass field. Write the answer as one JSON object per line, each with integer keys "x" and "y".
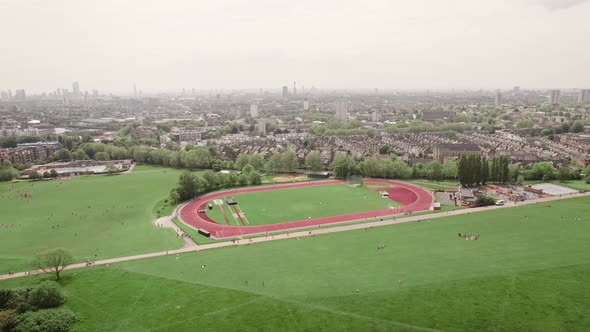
{"x": 530, "y": 270}
{"x": 276, "y": 206}
{"x": 94, "y": 217}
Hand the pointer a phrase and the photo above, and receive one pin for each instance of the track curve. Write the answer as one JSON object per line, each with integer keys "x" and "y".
{"x": 411, "y": 197}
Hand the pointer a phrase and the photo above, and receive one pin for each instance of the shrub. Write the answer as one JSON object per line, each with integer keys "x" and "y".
{"x": 485, "y": 201}
{"x": 18, "y": 299}
{"x": 45, "y": 320}
{"x": 48, "y": 295}
{"x": 6, "y": 321}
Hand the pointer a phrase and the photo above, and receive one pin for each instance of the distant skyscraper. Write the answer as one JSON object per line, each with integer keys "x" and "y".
{"x": 285, "y": 91}
{"x": 254, "y": 110}
{"x": 20, "y": 94}
{"x": 262, "y": 127}
{"x": 306, "y": 104}
{"x": 554, "y": 97}
{"x": 76, "y": 89}
{"x": 134, "y": 91}
{"x": 516, "y": 90}
{"x": 498, "y": 99}
{"x": 294, "y": 88}
{"x": 341, "y": 110}
{"x": 584, "y": 96}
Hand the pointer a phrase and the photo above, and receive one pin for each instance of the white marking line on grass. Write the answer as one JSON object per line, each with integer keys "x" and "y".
{"x": 243, "y": 215}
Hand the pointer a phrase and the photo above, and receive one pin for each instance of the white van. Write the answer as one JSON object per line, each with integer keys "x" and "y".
{"x": 500, "y": 202}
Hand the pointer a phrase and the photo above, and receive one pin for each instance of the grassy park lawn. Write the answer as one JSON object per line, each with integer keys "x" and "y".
{"x": 94, "y": 217}
{"x": 276, "y": 206}
{"x": 443, "y": 184}
{"x": 530, "y": 270}
{"x": 575, "y": 184}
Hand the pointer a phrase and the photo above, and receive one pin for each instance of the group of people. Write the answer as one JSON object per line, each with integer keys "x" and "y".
{"x": 469, "y": 236}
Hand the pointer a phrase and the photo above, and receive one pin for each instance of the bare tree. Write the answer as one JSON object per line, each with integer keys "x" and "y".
{"x": 54, "y": 260}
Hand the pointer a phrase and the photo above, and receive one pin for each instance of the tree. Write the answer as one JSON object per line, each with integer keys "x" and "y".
{"x": 384, "y": 149}
{"x": 485, "y": 170}
{"x": 79, "y": 154}
{"x": 187, "y": 186}
{"x": 565, "y": 127}
{"x": 247, "y": 169}
{"x": 48, "y": 295}
{"x": 7, "y": 172}
{"x": 62, "y": 154}
{"x": 53, "y": 173}
{"x": 257, "y": 161}
{"x": 435, "y": 170}
{"x": 542, "y": 170}
{"x": 564, "y": 173}
{"x": 34, "y": 175}
{"x": 54, "y": 260}
{"x": 290, "y": 162}
{"x": 255, "y": 178}
{"x": 274, "y": 163}
{"x": 578, "y": 126}
{"x": 313, "y": 161}
{"x": 343, "y": 166}
{"x": 242, "y": 160}
{"x": 450, "y": 169}
{"x": 102, "y": 156}
{"x": 243, "y": 180}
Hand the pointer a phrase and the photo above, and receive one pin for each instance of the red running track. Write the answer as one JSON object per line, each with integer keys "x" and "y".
{"x": 412, "y": 199}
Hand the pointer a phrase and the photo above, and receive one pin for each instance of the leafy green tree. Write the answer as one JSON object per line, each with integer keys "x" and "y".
{"x": 242, "y": 160}
{"x": 103, "y": 156}
{"x": 187, "y": 186}
{"x": 564, "y": 173}
{"x": 435, "y": 170}
{"x": 289, "y": 161}
{"x": 578, "y": 126}
{"x": 257, "y": 161}
{"x": 450, "y": 169}
{"x": 254, "y": 178}
{"x": 343, "y": 166}
{"x": 248, "y": 169}
{"x": 313, "y": 161}
{"x": 79, "y": 154}
{"x": 243, "y": 180}
{"x": 62, "y": 154}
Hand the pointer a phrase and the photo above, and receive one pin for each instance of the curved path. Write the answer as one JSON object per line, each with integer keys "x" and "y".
{"x": 411, "y": 197}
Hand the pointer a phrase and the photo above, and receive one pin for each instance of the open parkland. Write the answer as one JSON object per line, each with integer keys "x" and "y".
{"x": 318, "y": 255}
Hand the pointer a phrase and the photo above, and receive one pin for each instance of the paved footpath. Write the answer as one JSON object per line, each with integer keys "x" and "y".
{"x": 295, "y": 234}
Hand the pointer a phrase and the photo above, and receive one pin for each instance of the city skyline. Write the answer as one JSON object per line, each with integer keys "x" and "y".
{"x": 235, "y": 45}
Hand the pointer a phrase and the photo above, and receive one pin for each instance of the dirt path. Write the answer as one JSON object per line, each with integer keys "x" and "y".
{"x": 295, "y": 234}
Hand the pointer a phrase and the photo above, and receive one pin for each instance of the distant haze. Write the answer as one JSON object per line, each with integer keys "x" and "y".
{"x": 175, "y": 44}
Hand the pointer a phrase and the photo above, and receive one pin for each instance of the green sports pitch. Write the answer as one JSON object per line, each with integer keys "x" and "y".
{"x": 529, "y": 271}
{"x": 267, "y": 207}
{"x": 94, "y": 217}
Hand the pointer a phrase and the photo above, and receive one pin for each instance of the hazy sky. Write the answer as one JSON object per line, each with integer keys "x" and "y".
{"x": 168, "y": 45}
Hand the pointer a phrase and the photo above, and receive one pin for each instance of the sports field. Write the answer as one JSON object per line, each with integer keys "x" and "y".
{"x": 268, "y": 207}
{"x": 530, "y": 270}
{"x": 94, "y": 217}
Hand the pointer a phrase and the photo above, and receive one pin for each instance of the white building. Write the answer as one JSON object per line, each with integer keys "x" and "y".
{"x": 375, "y": 117}
{"x": 254, "y": 110}
{"x": 262, "y": 127}
{"x": 305, "y": 104}
{"x": 341, "y": 110}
